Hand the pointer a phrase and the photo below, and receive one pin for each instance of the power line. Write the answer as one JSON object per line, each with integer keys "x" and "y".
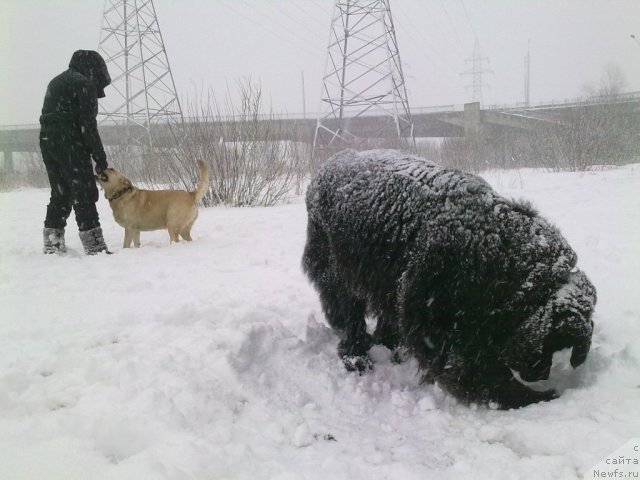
{"x": 436, "y": 26}
{"x": 283, "y": 28}
{"x": 413, "y": 40}
{"x": 466, "y": 14}
{"x": 425, "y": 41}
{"x": 297, "y": 21}
{"x": 315, "y": 20}
{"x": 453, "y": 28}
{"x": 279, "y": 36}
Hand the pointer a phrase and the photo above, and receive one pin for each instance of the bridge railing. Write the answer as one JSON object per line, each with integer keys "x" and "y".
{"x": 618, "y": 98}
{"x": 554, "y": 104}
{"x": 313, "y": 115}
{"x": 26, "y": 126}
{"x": 438, "y": 109}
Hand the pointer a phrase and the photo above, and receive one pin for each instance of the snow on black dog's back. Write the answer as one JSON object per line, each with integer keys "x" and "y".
{"x": 475, "y": 285}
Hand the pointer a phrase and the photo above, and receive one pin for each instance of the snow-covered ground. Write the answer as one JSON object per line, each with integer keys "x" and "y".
{"x": 212, "y": 360}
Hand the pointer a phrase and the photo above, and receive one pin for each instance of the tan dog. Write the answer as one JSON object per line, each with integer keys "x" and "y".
{"x": 144, "y": 210}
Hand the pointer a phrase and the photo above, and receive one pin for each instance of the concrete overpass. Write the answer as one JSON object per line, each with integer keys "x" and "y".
{"x": 469, "y": 120}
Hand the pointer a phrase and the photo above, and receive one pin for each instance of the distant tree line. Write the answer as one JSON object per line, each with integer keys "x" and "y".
{"x": 584, "y": 137}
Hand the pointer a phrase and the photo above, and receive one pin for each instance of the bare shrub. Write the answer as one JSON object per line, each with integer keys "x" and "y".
{"x": 595, "y": 132}
{"x": 600, "y": 129}
{"x": 249, "y": 162}
{"x": 471, "y": 155}
{"x": 429, "y": 149}
{"x": 587, "y": 136}
{"x": 29, "y": 171}
{"x": 148, "y": 166}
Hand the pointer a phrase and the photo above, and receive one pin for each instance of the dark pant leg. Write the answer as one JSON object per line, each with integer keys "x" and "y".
{"x": 60, "y": 201}
{"x": 85, "y": 194}
{"x": 71, "y": 178}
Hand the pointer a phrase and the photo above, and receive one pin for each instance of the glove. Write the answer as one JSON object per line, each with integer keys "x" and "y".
{"x": 101, "y": 161}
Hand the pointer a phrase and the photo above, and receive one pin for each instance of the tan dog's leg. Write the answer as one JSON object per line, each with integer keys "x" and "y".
{"x": 128, "y": 236}
{"x": 186, "y": 232}
{"x": 174, "y": 230}
{"x": 136, "y": 238}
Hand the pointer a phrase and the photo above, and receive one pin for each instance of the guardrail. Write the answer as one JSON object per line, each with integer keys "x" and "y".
{"x": 453, "y": 108}
{"x": 618, "y": 98}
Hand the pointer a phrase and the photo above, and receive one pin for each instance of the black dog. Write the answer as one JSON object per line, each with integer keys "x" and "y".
{"x": 473, "y": 284}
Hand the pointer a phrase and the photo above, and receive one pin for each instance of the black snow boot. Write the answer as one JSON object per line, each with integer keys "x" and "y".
{"x": 93, "y": 241}
{"x": 53, "y": 240}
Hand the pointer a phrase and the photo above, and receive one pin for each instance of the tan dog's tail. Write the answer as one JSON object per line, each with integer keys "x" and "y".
{"x": 203, "y": 184}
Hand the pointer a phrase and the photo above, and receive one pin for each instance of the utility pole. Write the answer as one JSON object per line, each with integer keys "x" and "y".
{"x": 477, "y": 71}
{"x": 527, "y": 72}
{"x": 363, "y": 83}
{"x": 143, "y": 93}
{"x": 304, "y": 103}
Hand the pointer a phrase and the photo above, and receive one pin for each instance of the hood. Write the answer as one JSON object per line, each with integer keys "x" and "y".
{"x": 92, "y": 65}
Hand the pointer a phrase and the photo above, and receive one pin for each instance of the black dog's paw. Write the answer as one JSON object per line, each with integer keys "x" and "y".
{"x": 400, "y": 355}
{"x": 354, "y": 353}
{"x": 359, "y": 363}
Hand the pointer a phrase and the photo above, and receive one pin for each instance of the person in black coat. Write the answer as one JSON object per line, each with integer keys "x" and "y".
{"x": 69, "y": 140}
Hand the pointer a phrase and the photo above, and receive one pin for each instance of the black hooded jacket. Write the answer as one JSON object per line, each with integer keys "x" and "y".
{"x": 71, "y": 102}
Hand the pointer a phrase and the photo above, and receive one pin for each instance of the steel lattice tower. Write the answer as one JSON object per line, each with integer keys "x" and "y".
{"x": 142, "y": 93}
{"x": 363, "y": 88}
{"x": 476, "y": 72}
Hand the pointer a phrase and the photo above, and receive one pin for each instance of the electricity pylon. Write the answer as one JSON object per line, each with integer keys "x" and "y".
{"x": 476, "y": 72}
{"x": 363, "y": 88}
{"x": 142, "y": 94}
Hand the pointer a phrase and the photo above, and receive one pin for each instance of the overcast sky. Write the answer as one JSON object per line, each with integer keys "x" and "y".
{"x": 213, "y": 43}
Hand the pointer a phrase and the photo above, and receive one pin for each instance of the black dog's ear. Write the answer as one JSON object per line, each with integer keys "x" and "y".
{"x": 570, "y": 331}
{"x": 525, "y": 351}
{"x": 571, "y": 316}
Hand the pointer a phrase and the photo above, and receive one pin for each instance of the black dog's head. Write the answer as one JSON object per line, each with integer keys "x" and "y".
{"x": 564, "y": 322}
